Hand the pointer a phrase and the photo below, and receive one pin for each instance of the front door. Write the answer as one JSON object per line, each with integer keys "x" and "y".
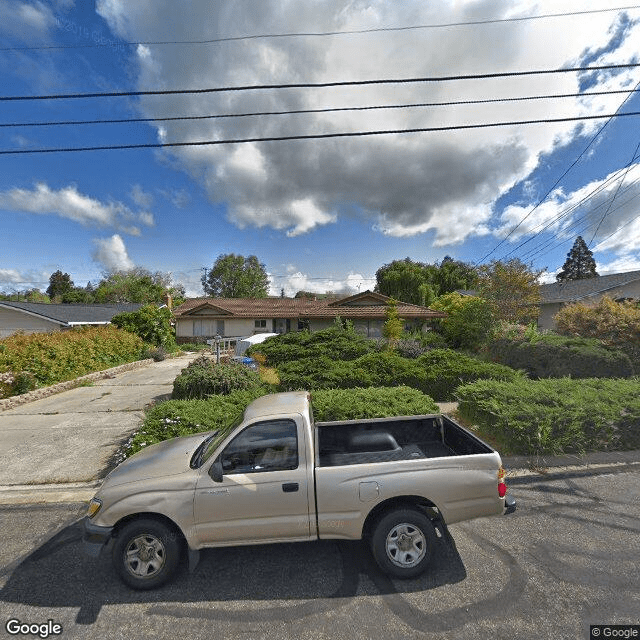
{"x": 263, "y": 493}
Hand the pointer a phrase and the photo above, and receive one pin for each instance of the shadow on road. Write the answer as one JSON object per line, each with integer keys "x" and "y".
{"x": 312, "y": 577}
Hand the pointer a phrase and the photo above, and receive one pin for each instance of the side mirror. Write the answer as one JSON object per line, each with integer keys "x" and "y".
{"x": 215, "y": 472}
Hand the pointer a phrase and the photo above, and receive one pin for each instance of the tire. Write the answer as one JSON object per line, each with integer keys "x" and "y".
{"x": 146, "y": 554}
{"x": 403, "y": 542}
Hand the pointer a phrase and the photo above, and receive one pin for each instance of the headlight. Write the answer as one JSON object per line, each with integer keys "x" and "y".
{"x": 94, "y": 507}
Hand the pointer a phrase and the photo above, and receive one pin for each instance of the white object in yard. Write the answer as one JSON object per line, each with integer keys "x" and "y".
{"x": 244, "y": 343}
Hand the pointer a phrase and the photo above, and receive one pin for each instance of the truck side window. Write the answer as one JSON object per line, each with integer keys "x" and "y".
{"x": 266, "y": 446}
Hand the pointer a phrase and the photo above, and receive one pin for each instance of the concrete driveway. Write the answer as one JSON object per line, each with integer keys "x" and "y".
{"x": 70, "y": 437}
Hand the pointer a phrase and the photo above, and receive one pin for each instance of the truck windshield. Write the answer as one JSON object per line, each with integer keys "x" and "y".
{"x": 211, "y": 443}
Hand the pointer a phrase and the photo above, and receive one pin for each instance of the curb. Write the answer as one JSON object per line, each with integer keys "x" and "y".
{"x": 48, "y": 493}
{"x": 45, "y": 392}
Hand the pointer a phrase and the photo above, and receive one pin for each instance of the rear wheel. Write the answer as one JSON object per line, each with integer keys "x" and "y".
{"x": 146, "y": 554}
{"x": 403, "y": 542}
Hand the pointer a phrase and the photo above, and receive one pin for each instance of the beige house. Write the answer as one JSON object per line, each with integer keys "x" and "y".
{"x": 618, "y": 286}
{"x": 37, "y": 317}
{"x": 200, "y": 319}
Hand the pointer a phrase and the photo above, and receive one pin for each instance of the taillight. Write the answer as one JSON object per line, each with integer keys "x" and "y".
{"x": 502, "y": 487}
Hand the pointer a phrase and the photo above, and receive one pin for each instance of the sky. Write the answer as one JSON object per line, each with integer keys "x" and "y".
{"x": 321, "y": 214}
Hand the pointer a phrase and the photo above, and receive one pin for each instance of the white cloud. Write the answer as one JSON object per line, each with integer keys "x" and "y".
{"x": 620, "y": 265}
{"x": 296, "y": 281}
{"x": 447, "y": 182}
{"x": 28, "y": 21}
{"x": 68, "y": 202}
{"x": 13, "y": 279}
{"x": 141, "y": 197}
{"x": 609, "y": 205}
{"x": 111, "y": 254}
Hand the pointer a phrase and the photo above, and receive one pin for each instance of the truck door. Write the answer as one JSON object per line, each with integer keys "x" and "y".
{"x": 263, "y": 493}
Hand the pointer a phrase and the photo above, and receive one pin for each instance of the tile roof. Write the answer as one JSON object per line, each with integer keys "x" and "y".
{"x": 300, "y": 308}
{"x": 579, "y": 289}
{"x": 69, "y": 314}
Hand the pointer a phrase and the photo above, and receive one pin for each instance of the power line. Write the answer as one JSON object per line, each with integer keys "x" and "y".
{"x": 557, "y": 182}
{"x": 352, "y": 134}
{"x": 320, "y": 85}
{"x": 323, "y": 110}
{"x": 309, "y": 34}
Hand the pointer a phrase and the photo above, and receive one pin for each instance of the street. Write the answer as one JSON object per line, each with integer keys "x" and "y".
{"x": 567, "y": 558}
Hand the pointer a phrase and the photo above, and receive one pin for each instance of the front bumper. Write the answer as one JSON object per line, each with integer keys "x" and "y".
{"x": 94, "y": 538}
{"x": 509, "y": 504}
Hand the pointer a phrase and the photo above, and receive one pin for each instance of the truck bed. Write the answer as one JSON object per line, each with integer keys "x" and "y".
{"x": 352, "y": 442}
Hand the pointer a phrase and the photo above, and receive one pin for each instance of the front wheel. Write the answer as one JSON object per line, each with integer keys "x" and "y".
{"x": 146, "y": 554}
{"x": 403, "y": 542}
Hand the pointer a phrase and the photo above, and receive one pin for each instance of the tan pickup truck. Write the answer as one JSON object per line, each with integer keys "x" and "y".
{"x": 275, "y": 476}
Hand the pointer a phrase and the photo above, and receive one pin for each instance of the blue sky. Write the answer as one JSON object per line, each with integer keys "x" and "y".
{"x": 321, "y": 214}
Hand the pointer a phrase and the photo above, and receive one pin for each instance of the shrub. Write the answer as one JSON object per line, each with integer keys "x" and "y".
{"x": 436, "y": 373}
{"x": 61, "y": 356}
{"x": 158, "y": 354}
{"x": 186, "y": 417}
{"x": 554, "y": 356}
{"x": 150, "y": 322}
{"x": 378, "y": 402}
{"x": 469, "y": 322}
{"x": 23, "y": 382}
{"x": 410, "y": 348}
{"x": 203, "y": 378}
{"x": 615, "y": 324}
{"x": 555, "y": 416}
{"x": 337, "y": 343}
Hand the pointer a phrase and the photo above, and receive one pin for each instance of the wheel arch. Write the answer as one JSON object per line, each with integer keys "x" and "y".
{"x": 150, "y": 515}
{"x": 418, "y": 503}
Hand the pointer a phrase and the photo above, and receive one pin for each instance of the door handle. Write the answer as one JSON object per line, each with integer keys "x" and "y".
{"x": 290, "y": 487}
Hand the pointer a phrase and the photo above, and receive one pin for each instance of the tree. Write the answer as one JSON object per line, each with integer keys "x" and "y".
{"x": 451, "y": 275}
{"x": 579, "y": 264}
{"x": 469, "y": 322}
{"x": 137, "y": 285}
{"x": 406, "y": 280}
{"x": 512, "y": 289}
{"x": 150, "y": 322}
{"x": 394, "y": 325}
{"x": 234, "y": 276}
{"x": 59, "y": 284}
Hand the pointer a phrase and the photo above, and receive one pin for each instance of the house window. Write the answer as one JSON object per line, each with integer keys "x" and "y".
{"x": 261, "y": 324}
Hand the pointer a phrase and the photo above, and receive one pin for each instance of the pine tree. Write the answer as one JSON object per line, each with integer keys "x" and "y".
{"x": 579, "y": 264}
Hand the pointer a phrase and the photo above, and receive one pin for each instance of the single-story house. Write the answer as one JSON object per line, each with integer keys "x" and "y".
{"x": 618, "y": 286}
{"x": 200, "y": 319}
{"x": 37, "y": 317}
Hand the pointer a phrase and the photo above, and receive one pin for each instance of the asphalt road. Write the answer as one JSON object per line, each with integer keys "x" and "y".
{"x": 567, "y": 558}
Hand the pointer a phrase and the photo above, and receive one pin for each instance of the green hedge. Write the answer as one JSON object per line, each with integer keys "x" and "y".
{"x": 436, "y": 373}
{"x": 56, "y": 357}
{"x": 203, "y": 377}
{"x": 185, "y": 417}
{"x": 554, "y": 356}
{"x": 334, "y": 343}
{"x": 555, "y": 416}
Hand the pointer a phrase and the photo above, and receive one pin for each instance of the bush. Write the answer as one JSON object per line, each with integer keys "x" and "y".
{"x": 158, "y": 354}
{"x": 445, "y": 370}
{"x": 410, "y": 348}
{"x": 185, "y": 417}
{"x": 436, "y": 373}
{"x": 336, "y": 343}
{"x": 554, "y": 356}
{"x": 378, "y": 402}
{"x": 616, "y": 324}
{"x": 61, "y": 356}
{"x": 150, "y": 323}
{"x": 555, "y": 416}
{"x": 203, "y": 378}
{"x": 469, "y": 322}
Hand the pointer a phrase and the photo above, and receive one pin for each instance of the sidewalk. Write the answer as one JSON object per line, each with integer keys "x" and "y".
{"x": 70, "y": 437}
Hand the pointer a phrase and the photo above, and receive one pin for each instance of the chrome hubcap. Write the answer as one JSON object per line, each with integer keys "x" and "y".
{"x": 406, "y": 545}
{"x": 145, "y": 556}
